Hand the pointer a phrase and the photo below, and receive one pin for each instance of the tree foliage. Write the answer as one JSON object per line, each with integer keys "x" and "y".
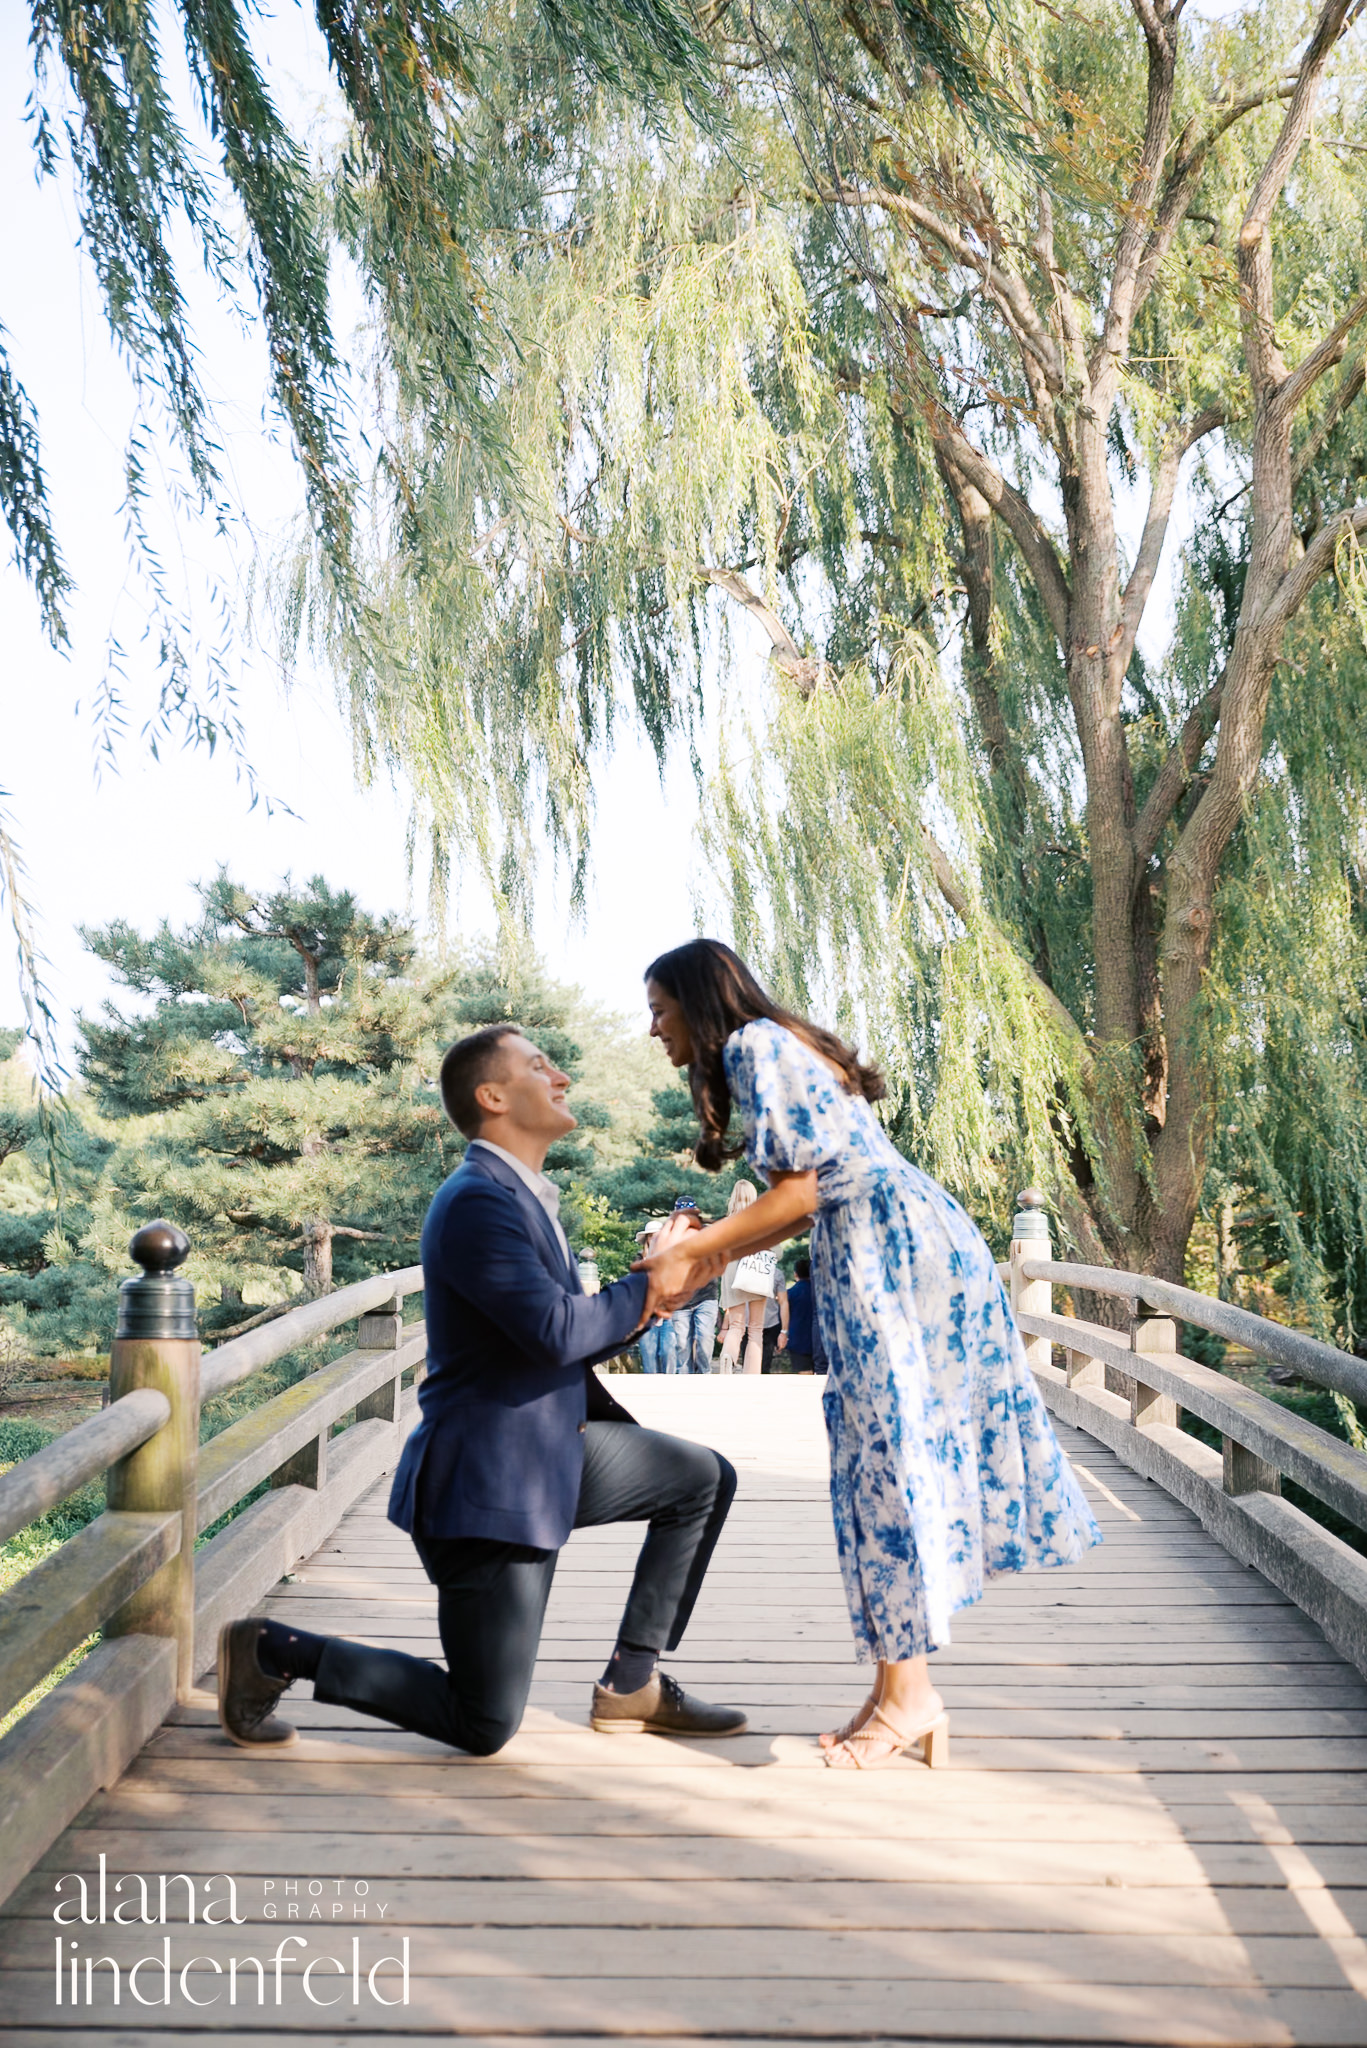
{"x": 268, "y": 1080}
{"x": 922, "y": 415}
{"x": 275, "y": 1091}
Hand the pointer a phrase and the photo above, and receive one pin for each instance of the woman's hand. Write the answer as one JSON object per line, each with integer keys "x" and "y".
{"x": 677, "y": 1271}
{"x": 670, "y": 1262}
{"x": 682, "y": 1260}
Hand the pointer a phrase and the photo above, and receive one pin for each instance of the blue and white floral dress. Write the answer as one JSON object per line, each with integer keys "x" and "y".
{"x": 945, "y": 1470}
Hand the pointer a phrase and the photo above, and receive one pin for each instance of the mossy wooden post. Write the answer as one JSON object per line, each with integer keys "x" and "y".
{"x": 1030, "y": 1240}
{"x": 156, "y": 1344}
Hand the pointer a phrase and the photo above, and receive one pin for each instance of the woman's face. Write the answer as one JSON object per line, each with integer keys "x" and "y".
{"x": 667, "y": 1024}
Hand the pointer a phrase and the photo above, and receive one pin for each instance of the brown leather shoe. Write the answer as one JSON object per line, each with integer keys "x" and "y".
{"x": 661, "y": 1707}
{"x": 246, "y": 1693}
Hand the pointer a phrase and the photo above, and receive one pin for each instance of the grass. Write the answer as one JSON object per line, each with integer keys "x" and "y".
{"x": 20, "y": 1439}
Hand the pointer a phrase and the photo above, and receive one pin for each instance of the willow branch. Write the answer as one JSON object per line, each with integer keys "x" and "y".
{"x": 1322, "y": 357}
{"x": 1172, "y": 778}
{"x": 1350, "y": 386}
{"x": 1186, "y": 176}
{"x": 1007, "y": 291}
{"x": 1162, "y": 71}
{"x": 1318, "y": 559}
{"x": 1145, "y": 568}
{"x": 960, "y": 902}
{"x": 1266, "y": 368}
{"x": 1016, "y": 514}
{"x": 803, "y": 669}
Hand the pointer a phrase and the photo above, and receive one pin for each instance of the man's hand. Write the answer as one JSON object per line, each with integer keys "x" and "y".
{"x": 676, "y": 1268}
{"x": 782, "y": 1344}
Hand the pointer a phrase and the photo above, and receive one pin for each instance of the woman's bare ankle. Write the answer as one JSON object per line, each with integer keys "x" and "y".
{"x": 906, "y": 1691}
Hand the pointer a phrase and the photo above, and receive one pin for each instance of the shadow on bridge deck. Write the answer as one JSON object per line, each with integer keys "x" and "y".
{"x": 1154, "y": 1827}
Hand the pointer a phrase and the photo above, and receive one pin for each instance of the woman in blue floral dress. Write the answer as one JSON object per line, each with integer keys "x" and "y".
{"x": 945, "y": 1470}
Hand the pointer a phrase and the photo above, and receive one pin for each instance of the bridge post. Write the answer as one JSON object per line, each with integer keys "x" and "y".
{"x": 1030, "y": 1240}
{"x": 1154, "y": 1336}
{"x": 381, "y": 1330}
{"x": 1245, "y": 1472}
{"x": 156, "y": 1344}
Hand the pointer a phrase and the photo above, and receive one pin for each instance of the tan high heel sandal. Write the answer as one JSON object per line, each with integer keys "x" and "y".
{"x": 932, "y": 1736}
{"x": 828, "y": 1738}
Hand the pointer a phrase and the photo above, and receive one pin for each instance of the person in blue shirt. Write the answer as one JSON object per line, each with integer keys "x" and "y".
{"x": 803, "y": 1336}
{"x": 519, "y": 1443}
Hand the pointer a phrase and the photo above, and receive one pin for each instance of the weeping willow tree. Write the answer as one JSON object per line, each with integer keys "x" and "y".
{"x": 920, "y": 408}
{"x": 164, "y": 124}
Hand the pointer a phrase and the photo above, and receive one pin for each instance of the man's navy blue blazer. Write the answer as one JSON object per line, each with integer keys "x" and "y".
{"x": 511, "y": 1338}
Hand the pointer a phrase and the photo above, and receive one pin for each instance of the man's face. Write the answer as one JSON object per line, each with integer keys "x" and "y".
{"x": 526, "y": 1093}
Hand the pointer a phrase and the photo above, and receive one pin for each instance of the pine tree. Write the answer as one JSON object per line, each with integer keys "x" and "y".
{"x": 57, "y": 1298}
{"x": 278, "y": 1098}
{"x": 663, "y": 1169}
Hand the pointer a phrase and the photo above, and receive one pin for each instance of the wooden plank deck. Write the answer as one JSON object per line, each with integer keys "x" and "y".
{"x": 1153, "y": 1830}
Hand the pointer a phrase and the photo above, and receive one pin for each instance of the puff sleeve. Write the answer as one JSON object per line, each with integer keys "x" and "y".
{"x": 785, "y": 1096}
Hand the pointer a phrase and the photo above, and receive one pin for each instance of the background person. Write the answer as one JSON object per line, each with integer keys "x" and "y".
{"x": 742, "y": 1309}
{"x": 774, "y": 1339}
{"x": 695, "y": 1324}
{"x": 945, "y": 1469}
{"x": 519, "y": 1442}
{"x": 800, "y": 1352}
{"x": 656, "y": 1342}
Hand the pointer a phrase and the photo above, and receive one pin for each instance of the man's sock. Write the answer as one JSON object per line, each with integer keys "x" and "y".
{"x": 629, "y": 1668}
{"x": 288, "y": 1653}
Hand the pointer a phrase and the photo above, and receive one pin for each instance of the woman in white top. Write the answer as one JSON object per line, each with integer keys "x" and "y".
{"x": 742, "y": 1311}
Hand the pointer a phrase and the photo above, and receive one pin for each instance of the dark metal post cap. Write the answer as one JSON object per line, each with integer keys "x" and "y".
{"x": 157, "y": 1304}
{"x": 159, "y": 1247}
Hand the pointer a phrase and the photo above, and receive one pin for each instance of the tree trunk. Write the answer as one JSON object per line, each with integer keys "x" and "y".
{"x": 317, "y": 1236}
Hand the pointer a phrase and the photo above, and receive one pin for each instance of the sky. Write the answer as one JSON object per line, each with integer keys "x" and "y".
{"x": 130, "y": 841}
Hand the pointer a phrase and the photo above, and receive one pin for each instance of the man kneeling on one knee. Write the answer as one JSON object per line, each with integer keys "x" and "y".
{"x": 519, "y": 1443}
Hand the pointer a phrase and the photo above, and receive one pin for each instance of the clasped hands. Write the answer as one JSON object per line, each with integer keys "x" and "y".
{"x": 686, "y": 1254}
{"x": 676, "y": 1269}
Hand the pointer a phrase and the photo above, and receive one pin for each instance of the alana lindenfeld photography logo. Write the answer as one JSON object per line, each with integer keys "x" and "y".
{"x": 334, "y": 1963}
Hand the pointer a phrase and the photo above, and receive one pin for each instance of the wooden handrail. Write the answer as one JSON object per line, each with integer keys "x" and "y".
{"x": 1324, "y": 1465}
{"x": 1129, "y": 1388}
{"x": 78, "y": 1589}
{"x": 47, "y": 1477}
{"x": 134, "y": 1570}
{"x": 1306, "y": 1356}
{"x": 241, "y": 1356}
{"x": 239, "y": 1458}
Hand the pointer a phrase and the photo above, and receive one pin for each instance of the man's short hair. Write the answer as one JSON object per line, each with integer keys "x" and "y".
{"x": 465, "y": 1066}
{"x": 802, "y": 1269}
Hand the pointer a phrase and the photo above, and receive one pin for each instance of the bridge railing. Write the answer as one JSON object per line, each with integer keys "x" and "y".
{"x": 135, "y": 1573}
{"x": 1129, "y": 1388}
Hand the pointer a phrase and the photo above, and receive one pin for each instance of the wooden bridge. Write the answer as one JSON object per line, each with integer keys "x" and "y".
{"x": 1153, "y": 1829}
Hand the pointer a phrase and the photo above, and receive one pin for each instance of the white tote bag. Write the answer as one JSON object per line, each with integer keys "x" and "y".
{"x": 754, "y": 1274}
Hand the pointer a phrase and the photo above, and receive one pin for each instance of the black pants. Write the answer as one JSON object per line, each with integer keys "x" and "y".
{"x": 492, "y": 1596}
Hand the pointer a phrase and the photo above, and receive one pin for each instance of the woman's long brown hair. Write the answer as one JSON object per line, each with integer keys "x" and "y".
{"x": 717, "y": 993}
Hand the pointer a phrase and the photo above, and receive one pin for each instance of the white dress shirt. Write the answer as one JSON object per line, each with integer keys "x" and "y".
{"x": 538, "y": 1184}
